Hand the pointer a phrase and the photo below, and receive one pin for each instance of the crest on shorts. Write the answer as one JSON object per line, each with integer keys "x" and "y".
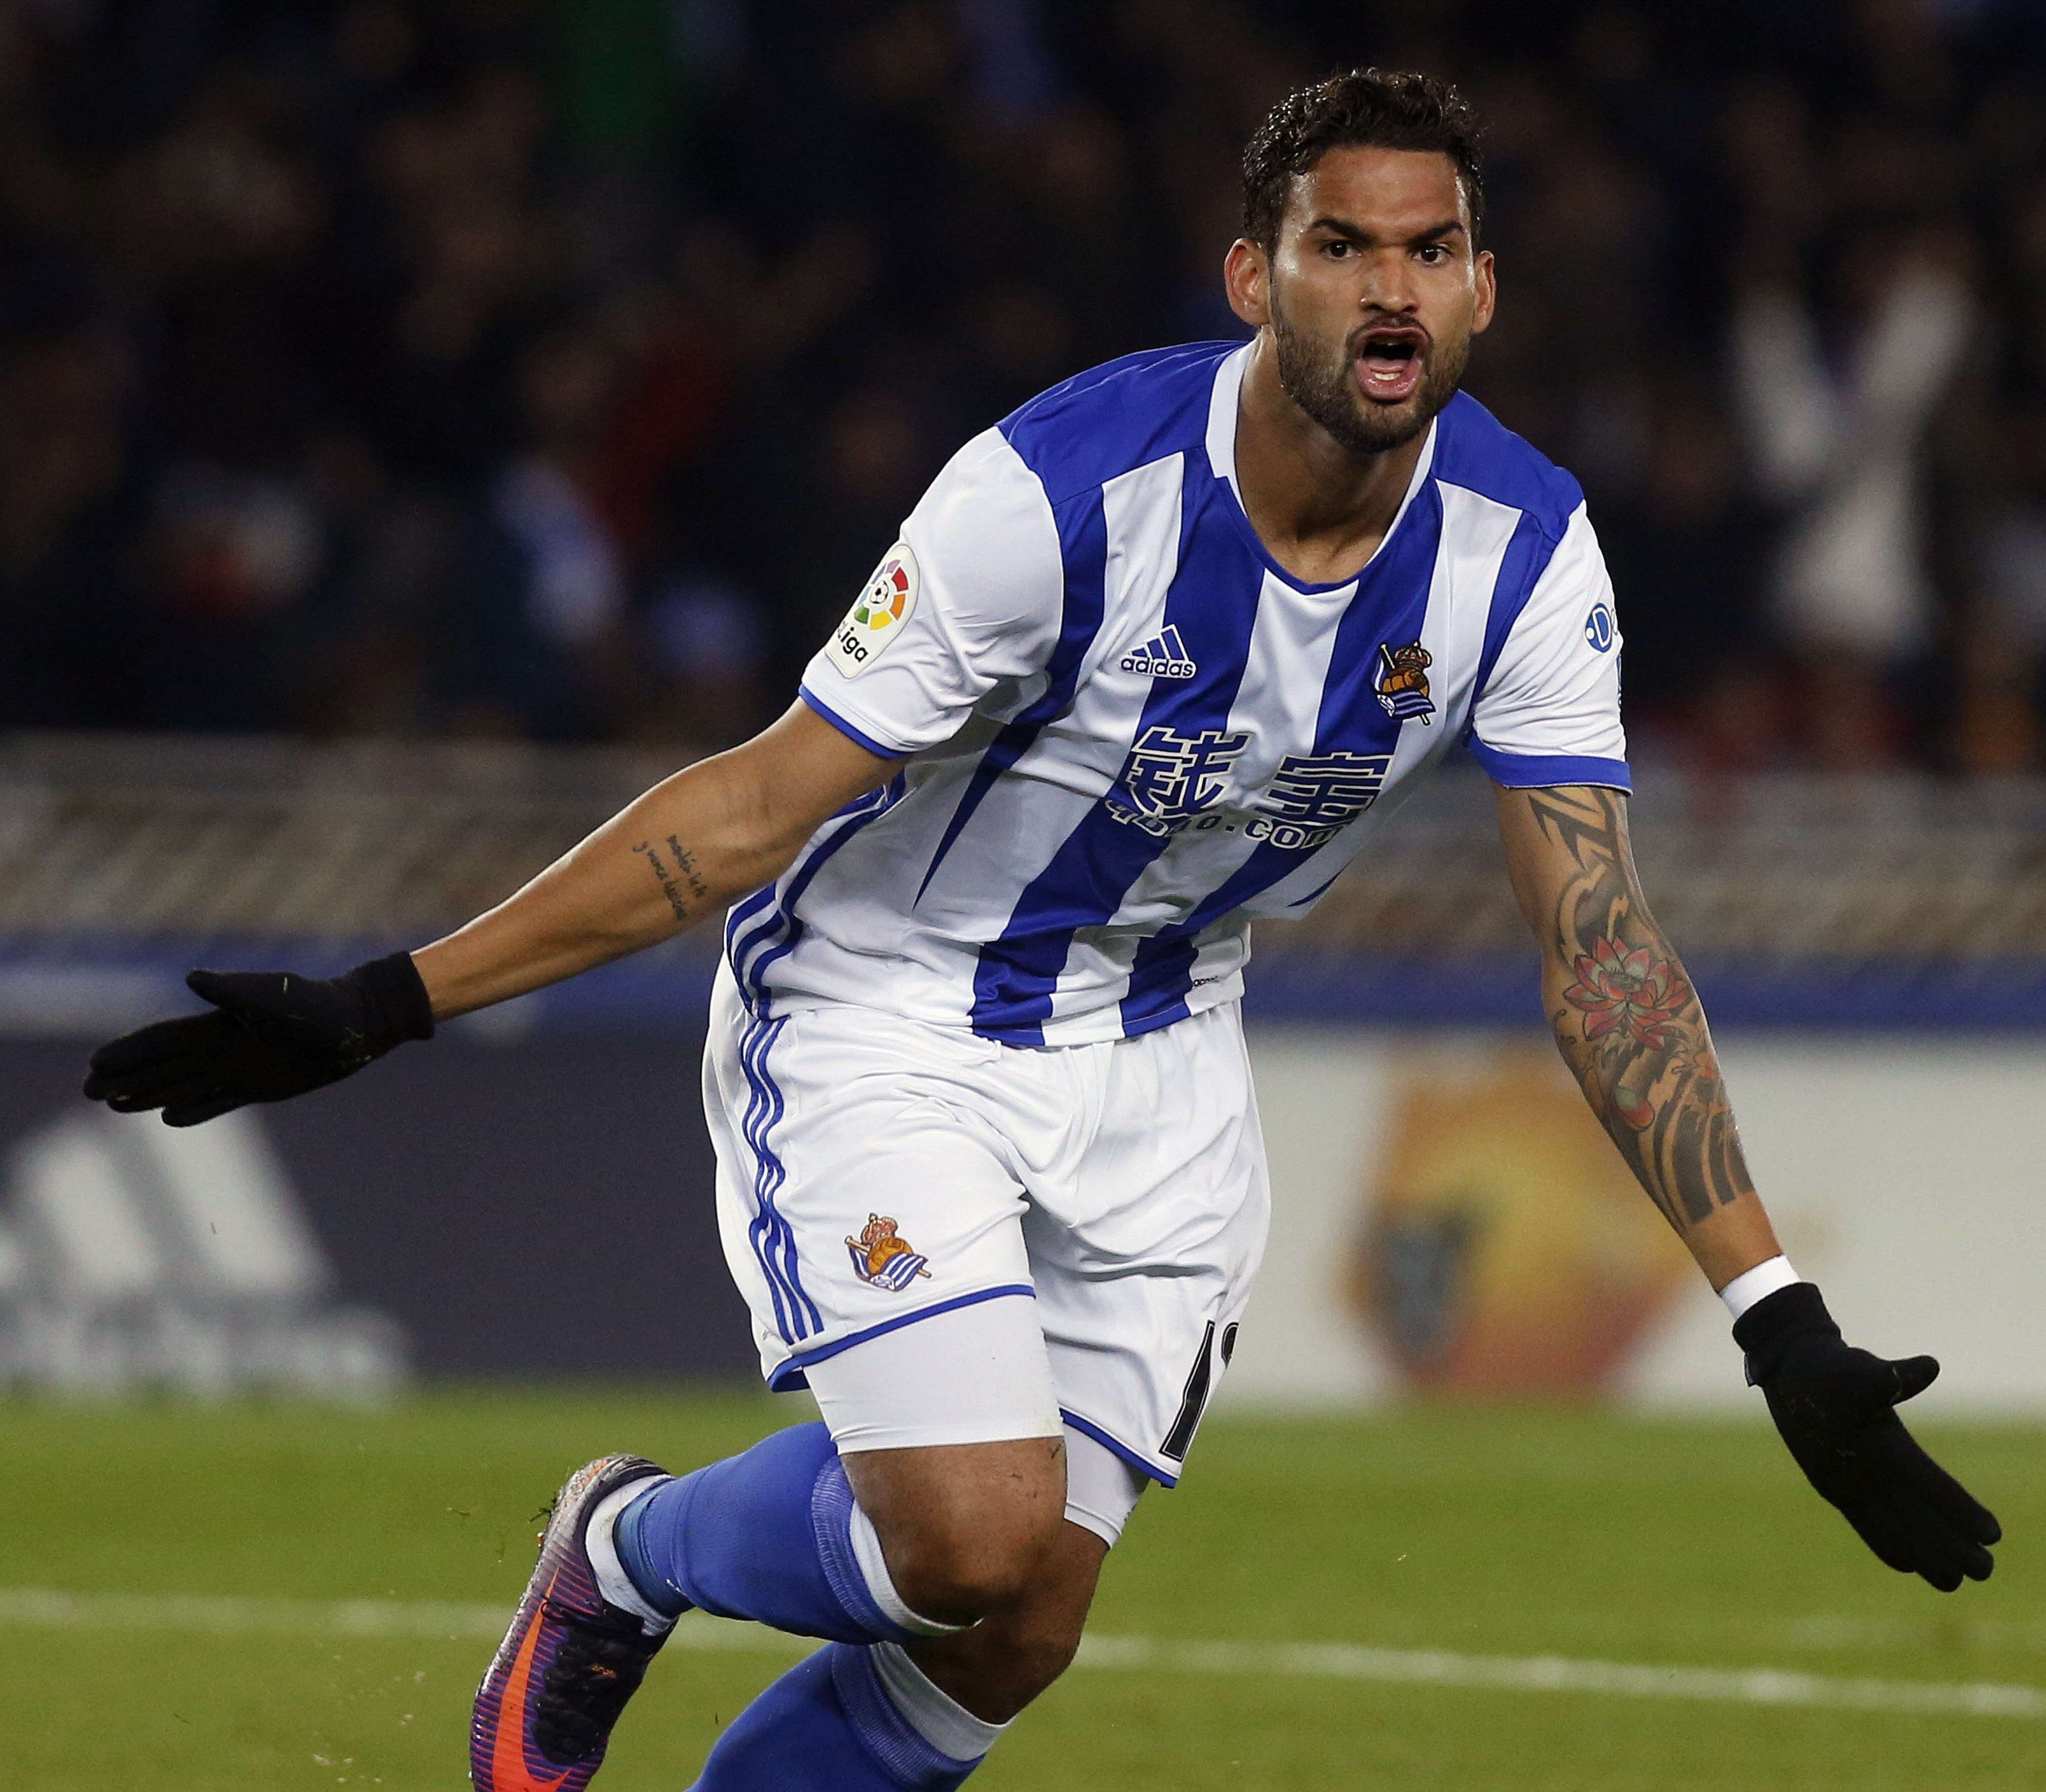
{"x": 882, "y": 1258}
{"x": 1402, "y": 682}
{"x": 877, "y": 614}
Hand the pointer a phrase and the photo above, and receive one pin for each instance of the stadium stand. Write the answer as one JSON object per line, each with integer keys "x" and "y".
{"x": 409, "y": 366}
{"x": 1798, "y": 898}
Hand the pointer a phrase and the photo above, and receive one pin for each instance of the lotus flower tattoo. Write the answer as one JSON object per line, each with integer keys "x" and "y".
{"x": 1632, "y": 992}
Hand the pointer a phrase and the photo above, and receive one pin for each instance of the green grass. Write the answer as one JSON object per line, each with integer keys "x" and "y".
{"x": 1500, "y": 1532}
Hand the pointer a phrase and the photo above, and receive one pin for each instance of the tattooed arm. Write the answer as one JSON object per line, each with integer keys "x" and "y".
{"x": 1628, "y": 1022}
{"x": 712, "y": 832}
{"x": 688, "y": 846}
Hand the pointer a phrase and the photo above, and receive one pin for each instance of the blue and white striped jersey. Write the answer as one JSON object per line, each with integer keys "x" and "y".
{"x": 1127, "y": 731}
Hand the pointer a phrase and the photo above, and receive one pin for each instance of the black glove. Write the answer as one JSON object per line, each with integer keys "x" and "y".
{"x": 272, "y": 1034}
{"x": 1836, "y": 1408}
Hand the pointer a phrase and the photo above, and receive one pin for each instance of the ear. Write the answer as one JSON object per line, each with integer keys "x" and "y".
{"x": 1487, "y": 292}
{"x": 1246, "y": 277}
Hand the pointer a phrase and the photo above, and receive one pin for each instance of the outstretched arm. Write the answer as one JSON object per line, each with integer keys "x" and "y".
{"x": 685, "y": 850}
{"x": 1631, "y": 1028}
{"x": 680, "y": 853}
{"x": 1628, "y": 1023}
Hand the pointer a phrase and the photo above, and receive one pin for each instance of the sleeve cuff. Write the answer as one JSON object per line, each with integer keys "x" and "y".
{"x": 858, "y": 735}
{"x": 1532, "y": 771}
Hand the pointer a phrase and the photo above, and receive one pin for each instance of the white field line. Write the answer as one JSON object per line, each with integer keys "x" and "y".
{"x": 1557, "y": 1674}
{"x": 193, "y": 1614}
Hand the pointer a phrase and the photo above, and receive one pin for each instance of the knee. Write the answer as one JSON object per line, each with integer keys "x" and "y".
{"x": 1020, "y": 1662}
{"x": 1000, "y": 1666}
{"x": 962, "y": 1574}
{"x": 1040, "y": 1648}
{"x": 965, "y": 1529}
{"x": 1005, "y": 1661}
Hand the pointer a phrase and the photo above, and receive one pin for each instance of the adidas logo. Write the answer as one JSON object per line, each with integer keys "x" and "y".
{"x": 133, "y": 1254}
{"x": 1163, "y": 656}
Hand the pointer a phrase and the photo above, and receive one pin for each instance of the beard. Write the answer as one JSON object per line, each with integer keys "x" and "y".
{"x": 1319, "y": 382}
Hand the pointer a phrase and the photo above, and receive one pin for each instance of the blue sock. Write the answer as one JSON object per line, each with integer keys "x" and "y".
{"x": 827, "y": 1725}
{"x": 765, "y": 1535}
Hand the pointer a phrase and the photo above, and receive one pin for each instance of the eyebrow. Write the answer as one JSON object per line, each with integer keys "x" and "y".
{"x": 1342, "y": 227}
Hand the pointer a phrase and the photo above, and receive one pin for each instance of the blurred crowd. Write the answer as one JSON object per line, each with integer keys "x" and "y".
{"x": 560, "y": 370}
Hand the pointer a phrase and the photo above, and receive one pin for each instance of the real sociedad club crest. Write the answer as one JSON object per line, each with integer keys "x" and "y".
{"x": 882, "y": 1259}
{"x": 1402, "y": 682}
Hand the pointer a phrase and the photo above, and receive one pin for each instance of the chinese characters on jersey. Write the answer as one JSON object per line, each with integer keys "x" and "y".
{"x": 1174, "y": 782}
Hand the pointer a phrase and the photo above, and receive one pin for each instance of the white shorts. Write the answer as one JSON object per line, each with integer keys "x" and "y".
{"x": 875, "y": 1171}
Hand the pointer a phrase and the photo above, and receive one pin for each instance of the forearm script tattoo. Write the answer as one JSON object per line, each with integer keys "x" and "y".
{"x": 1628, "y": 1021}
{"x": 671, "y": 880}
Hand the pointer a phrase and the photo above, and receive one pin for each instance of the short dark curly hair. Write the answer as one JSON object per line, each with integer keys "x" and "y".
{"x": 1369, "y": 108}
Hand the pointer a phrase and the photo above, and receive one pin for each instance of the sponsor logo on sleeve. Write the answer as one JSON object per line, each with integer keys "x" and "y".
{"x": 1599, "y": 629}
{"x": 879, "y": 615}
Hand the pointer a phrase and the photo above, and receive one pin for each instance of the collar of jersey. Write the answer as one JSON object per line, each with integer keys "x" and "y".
{"x": 1221, "y": 456}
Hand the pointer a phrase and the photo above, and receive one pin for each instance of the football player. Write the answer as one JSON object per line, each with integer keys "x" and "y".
{"x": 1155, "y": 655}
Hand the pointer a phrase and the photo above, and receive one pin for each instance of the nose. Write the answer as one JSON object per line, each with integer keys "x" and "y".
{"x": 1388, "y": 284}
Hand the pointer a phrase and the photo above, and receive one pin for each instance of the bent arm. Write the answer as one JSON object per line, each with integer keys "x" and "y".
{"x": 683, "y": 851}
{"x": 1628, "y": 1022}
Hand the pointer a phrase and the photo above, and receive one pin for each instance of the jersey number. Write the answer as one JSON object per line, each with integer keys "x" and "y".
{"x": 1200, "y": 1383}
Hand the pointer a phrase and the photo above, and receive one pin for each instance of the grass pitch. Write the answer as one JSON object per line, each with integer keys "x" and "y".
{"x": 1506, "y": 1533}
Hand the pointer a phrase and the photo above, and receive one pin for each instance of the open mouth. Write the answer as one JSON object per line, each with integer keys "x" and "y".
{"x": 1390, "y": 363}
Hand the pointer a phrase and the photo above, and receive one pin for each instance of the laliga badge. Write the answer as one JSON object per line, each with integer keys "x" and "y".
{"x": 878, "y": 615}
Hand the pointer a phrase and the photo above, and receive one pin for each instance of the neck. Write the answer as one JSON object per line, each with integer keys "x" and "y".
{"x": 1320, "y": 507}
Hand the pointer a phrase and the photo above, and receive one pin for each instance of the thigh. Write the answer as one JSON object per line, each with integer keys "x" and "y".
{"x": 983, "y": 1514}
{"x": 973, "y": 1374}
{"x": 1102, "y": 1488}
{"x": 1144, "y": 1268}
{"x": 978, "y": 1374}
{"x": 863, "y": 1183}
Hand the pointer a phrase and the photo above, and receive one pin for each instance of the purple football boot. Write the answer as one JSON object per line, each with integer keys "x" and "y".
{"x": 570, "y": 1660}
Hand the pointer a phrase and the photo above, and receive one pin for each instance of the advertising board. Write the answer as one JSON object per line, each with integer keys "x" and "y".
{"x": 1448, "y": 1220}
